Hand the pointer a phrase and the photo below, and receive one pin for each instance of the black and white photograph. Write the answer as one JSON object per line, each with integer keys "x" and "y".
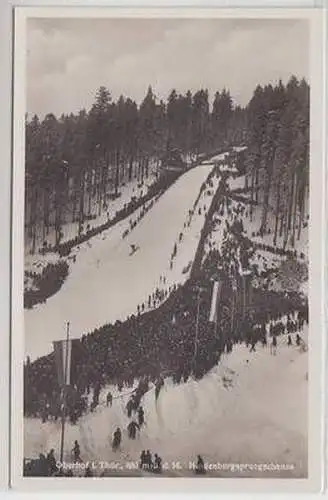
{"x": 166, "y": 222}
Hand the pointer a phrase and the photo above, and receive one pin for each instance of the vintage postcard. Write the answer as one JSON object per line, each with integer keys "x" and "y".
{"x": 167, "y": 249}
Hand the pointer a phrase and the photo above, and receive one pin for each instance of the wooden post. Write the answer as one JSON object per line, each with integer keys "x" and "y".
{"x": 64, "y": 398}
{"x": 197, "y": 325}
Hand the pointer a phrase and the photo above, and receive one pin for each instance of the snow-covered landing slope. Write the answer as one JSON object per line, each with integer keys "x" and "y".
{"x": 247, "y": 400}
{"x": 106, "y": 283}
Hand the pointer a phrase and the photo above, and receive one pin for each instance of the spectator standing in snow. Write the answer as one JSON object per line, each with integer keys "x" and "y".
{"x": 117, "y": 438}
{"x": 143, "y": 460}
{"x": 141, "y": 416}
{"x": 157, "y": 464}
{"x": 109, "y": 398}
{"x": 200, "y": 467}
{"x": 88, "y": 472}
{"x": 129, "y": 407}
{"x": 148, "y": 460}
{"x": 52, "y": 462}
{"x": 158, "y": 387}
{"x": 77, "y": 452}
{"x": 132, "y": 429}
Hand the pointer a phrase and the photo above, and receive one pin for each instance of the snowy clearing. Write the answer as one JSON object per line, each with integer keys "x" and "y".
{"x": 216, "y": 158}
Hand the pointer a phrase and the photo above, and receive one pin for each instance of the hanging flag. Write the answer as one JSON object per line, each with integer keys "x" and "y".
{"x": 215, "y": 301}
{"x": 65, "y": 360}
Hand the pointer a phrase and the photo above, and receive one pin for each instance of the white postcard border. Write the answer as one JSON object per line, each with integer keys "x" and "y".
{"x": 316, "y": 286}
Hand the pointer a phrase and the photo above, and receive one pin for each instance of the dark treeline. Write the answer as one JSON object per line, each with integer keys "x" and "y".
{"x": 75, "y": 164}
{"x": 278, "y": 156}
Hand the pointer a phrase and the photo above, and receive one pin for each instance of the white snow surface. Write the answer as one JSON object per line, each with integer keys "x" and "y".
{"x": 222, "y": 168}
{"x": 247, "y": 400}
{"x": 216, "y": 158}
{"x": 106, "y": 283}
{"x": 36, "y": 263}
{"x": 237, "y": 182}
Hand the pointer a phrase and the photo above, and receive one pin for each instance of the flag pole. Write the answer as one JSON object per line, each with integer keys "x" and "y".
{"x": 216, "y": 319}
{"x": 244, "y": 295}
{"x": 64, "y": 397}
{"x": 217, "y": 314}
{"x": 233, "y": 312}
{"x": 197, "y": 326}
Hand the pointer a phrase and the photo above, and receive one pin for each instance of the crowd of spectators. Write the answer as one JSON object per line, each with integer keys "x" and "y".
{"x": 157, "y": 343}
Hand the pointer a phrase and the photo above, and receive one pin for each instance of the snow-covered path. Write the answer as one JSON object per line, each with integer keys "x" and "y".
{"x": 106, "y": 283}
{"x": 247, "y": 400}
